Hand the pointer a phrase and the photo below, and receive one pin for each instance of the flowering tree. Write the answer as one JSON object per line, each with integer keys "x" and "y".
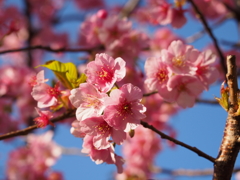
{"x": 121, "y": 87}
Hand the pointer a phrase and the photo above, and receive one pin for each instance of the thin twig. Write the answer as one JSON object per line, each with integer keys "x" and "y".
{"x": 149, "y": 94}
{"x": 185, "y": 172}
{"x": 48, "y": 48}
{"x": 164, "y": 136}
{"x": 199, "y": 34}
{"x": 207, "y": 101}
{"x": 188, "y": 172}
{"x": 208, "y": 29}
{"x": 31, "y": 128}
{"x": 128, "y": 8}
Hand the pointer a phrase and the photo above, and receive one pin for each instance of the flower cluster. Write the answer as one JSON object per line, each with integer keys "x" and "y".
{"x": 104, "y": 113}
{"x": 162, "y": 12}
{"x": 46, "y": 96}
{"x": 115, "y": 35}
{"x": 14, "y": 91}
{"x": 140, "y": 152}
{"x": 181, "y": 73}
{"x": 34, "y": 162}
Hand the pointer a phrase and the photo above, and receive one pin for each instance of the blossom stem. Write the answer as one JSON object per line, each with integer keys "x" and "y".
{"x": 48, "y": 48}
{"x": 209, "y": 31}
{"x": 164, "y": 136}
{"x": 31, "y": 128}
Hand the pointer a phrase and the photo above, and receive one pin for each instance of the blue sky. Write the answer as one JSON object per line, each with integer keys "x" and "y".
{"x": 201, "y": 126}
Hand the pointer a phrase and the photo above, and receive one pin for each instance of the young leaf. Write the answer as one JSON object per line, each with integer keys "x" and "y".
{"x": 65, "y": 72}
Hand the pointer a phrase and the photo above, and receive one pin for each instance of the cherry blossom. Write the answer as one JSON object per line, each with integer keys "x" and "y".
{"x": 139, "y": 153}
{"x": 89, "y": 29}
{"x": 123, "y": 107}
{"x": 45, "y": 95}
{"x": 88, "y": 101}
{"x": 89, "y": 4}
{"x": 33, "y": 162}
{"x": 105, "y": 71}
{"x": 97, "y": 127}
{"x": 157, "y": 74}
{"x": 44, "y": 118}
{"x": 113, "y": 28}
{"x": 104, "y": 155}
{"x": 184, "y": 90}
{"x": 207, "y": 71}
{"x": 180, "y": 58}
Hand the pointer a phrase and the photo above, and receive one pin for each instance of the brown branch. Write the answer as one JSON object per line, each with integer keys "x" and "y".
{"x": 231, "y": 44}
{"x": 164, "y": 136}
{"x": 199, "y": 34}
{"x": 31, "y": 128}
{"x": 30, "y": 30}
{"x": 209, "y": 31}
{"x": 129, "y": 8}
{"x": 206, "y": 101}
{"x": 48, "y": 48}
{"x": 185, "y": 172}
{"x": 223, "y": 166}
{"x": 188, "y": 172}
{"x": 149, "y": 94}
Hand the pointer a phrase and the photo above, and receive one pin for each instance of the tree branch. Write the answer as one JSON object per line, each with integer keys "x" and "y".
{"x": 207, "y": 101}
{"x": 209, "y": 31}
{"x": 48, "y": 48}
{"x": 164, "y": 136}
{"x": 31, "y": 128}
{"x": 129, "y": 8}
{"x": 188, "y": 172}
{"x": 199, "y": 34}
{"x": 223, "y": 166}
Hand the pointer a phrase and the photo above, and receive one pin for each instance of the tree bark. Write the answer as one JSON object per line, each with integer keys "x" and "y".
{"x": 224, "y": 163}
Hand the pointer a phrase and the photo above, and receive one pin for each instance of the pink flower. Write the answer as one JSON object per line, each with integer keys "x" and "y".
{"x": 38, "y": 79}
{"x": 180, "y": 58}
{"x": 34, "y": 161}
{"x": 88, "y": 101}
{"x": 113, "y": 28}
{"x": 140, "y": 152}
{"x": 103, "y": 155}
{"x": 76, "y": 129}
{"x": 44, "y": 94}
{"x": 105, "y": 71}
{"x": 44, "y": 147}
{"x": 178, "y": 18}
{"x": 124, "y": 107}
{"x": 213, "y": 9}
{"x": 207, "y": 71}
{"x": 44, "y": 118}
{"x": 89, "y": 4}
{"x": 89, "y": 30}
{"x": 157, "y": 74}
{"x": 97, "y": 127}
{"x": 184, "y": 89}
{"x": 128, "y": 46}
{"x": 162, "y": 39}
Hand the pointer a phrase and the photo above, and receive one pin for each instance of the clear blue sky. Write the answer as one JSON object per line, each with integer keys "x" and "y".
{"x": 201, "y": 126}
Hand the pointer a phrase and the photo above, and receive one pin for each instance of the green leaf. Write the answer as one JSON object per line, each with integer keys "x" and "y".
{"x": 223, "y": 100}
{"x": 81, "y": 80}
{"x": 65, "y": 72}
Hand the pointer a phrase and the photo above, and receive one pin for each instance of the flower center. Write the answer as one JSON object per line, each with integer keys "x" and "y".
{"x": 103, "y": 128}
{"x": 162, "y": 76}
{"x": 125, "y": 109}
{"x": 91, "y": 101}
{"x": 105, "y": 74}
{"x": 179, "y": 61}
{"x": 54, "y": 92}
